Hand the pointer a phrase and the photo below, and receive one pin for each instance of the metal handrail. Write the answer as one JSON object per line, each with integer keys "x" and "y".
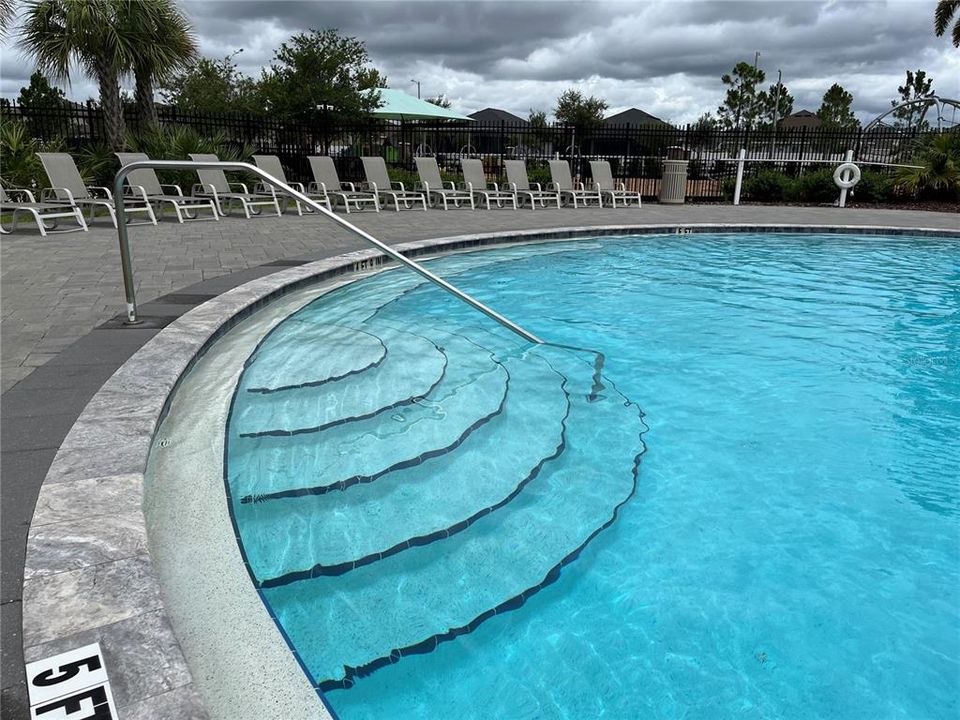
{"x": 130, "y": 291}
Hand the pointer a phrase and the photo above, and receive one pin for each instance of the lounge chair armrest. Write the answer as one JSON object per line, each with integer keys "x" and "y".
{"x": 396, "y": 185}
{"x": 176, "y": 188}
{"x": 241, "y": 185}
{"x": 135, "y": 191}
{"x": 22, "y": 191}
{"x": 348, "y": 186}
{"x": 453, "y": 185}
{"x": 203, "y": 189}
{"x": 98, "y": 188}
{"x": 50, "y": 195}
{"x": 494, "y": 186}
{"x": 296, "y": 186}
{"x": 581, "y": 186}
{"x": 371, "y": 186}
{"x": 513, "y": 187}
{"x": 538, "y": 188}
{"x": 318, "y": 187}
{"x": 420, "y": 185}
{"x": 623, "y": 187}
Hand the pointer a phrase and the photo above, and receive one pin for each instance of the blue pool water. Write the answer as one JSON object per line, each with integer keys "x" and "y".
{"x": 750, "y": 508}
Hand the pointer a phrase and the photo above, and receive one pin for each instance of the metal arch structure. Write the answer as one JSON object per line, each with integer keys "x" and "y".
{"x": 944, "y": 107}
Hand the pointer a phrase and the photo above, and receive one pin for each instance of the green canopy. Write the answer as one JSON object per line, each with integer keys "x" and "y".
{"x": 398, "y": 105}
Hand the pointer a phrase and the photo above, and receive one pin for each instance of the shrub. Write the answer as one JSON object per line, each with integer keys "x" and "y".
{"x": 178, "y": 142}
{"x": 816, "y": 186}
{"x": 767, "y": 186}
{"x": 20, "y": 166}
{"x": 874, "y": 187}
{"x": 938, "y": 174}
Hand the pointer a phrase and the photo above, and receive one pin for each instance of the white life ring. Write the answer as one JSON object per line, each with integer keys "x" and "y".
{"x": 852, "y": 179}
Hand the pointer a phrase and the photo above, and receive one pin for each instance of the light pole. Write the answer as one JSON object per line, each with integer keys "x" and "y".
{"x": 418, "y": 87}
{"x": 776, "y": 103}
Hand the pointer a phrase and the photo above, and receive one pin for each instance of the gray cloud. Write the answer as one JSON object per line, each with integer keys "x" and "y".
{"x": 665, "y": 57}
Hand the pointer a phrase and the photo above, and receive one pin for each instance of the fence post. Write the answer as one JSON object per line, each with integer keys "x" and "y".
{"x": 740, "y": 161}
{"x": 502, "y": 142}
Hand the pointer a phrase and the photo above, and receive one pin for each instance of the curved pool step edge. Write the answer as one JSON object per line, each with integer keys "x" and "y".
{"x": 380, "y": 355}
{"x": 353, "y": 673}
{"x": 460, "y": 389}
{"x": 416, "y": 506}
{"x": 401, "y": 402}
{"x": 420, "y": 540}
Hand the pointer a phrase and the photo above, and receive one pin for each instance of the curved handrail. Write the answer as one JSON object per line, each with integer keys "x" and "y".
{"x": 125, "y": 261}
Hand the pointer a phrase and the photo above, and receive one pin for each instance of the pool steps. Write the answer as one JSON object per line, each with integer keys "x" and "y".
{"x": 368, "y": 583}
{"x": 415, "y": 505}
{"x": 472, "y": 392}
{"x": 396, "y": 382}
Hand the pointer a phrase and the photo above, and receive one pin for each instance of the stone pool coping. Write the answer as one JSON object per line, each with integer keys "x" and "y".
{"x": 88, "y": 575}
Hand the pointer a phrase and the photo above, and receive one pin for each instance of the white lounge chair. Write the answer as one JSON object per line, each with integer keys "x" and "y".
{"x": 432, "y": 184}
{"x": 66, "y": 185}
{"x": 563, "y": 183}
{"x": 327, "y": 181}
{"x": 41, "y": 212}
{"x": 378, "y": 182}
{"x": 145, "y": 184}
{"x": 604, "y": 183}
{"x": 271, "y": 164}
{"x": 214, "y": 184}
{"x": 519, "y": 185}
{"x": 475, "y": 182}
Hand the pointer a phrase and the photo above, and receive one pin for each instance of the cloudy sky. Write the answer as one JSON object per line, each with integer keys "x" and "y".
{"x": 665, "y": 57}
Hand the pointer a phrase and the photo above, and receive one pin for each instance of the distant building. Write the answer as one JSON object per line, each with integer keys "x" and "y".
{"x": 801, "y": 119}
{"x": 633, "y": 116}
{"x": 492, "y": 115}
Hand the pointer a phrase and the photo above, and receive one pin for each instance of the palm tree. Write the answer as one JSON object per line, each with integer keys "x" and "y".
{"x": 166, "y": 45}
{"x": 58, "y": 32}
{"x": 944, "y": 13}
{"x": 8, "y": 11}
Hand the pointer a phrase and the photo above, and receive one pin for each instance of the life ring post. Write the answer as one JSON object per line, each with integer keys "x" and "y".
{"x": 846, "y": 176}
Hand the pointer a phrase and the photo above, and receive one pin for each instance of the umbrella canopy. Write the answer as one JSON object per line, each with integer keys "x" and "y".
{"x": 397, "y": 105}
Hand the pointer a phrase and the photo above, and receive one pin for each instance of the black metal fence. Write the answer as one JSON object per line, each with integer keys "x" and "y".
{"x": 636, "y": 153}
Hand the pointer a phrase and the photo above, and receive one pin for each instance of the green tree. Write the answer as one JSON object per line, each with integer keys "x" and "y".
{"x": 835, "y": 109}
{"x": 34, "y": 98}
{"x": 742, "y": 106}
{"x": 321, "y": 71}
{"x": 40, "y": 93}
{"x": 439, "y": 101}
{"x": 8, "y": 11}
{"x": 584, "y": 113}
{"x": 166, "y": 45}
{"x": 775, "y": 104}
{"x": 58, "y": 32}
{"x": 942, "y": 16}
{"x": 917, "y": 87}
{"x": 212, "y": 86}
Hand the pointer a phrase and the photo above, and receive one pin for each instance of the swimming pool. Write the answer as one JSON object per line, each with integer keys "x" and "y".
{"x": 729, "y": 489}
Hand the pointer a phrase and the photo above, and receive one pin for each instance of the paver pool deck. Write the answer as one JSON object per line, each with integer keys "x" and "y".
{"x": 56, "y": 291}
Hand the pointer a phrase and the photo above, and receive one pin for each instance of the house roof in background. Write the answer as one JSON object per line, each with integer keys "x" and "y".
{"x": 634, "y": 116}
{"x": 496, "y": 115}
{"x": 801, "y": 118}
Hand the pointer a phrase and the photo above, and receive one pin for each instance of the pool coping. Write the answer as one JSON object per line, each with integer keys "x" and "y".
{"x": 106, "y": 578}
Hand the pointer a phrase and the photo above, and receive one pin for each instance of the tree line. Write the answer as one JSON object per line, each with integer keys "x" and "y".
{"x": 321, "y": 73}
